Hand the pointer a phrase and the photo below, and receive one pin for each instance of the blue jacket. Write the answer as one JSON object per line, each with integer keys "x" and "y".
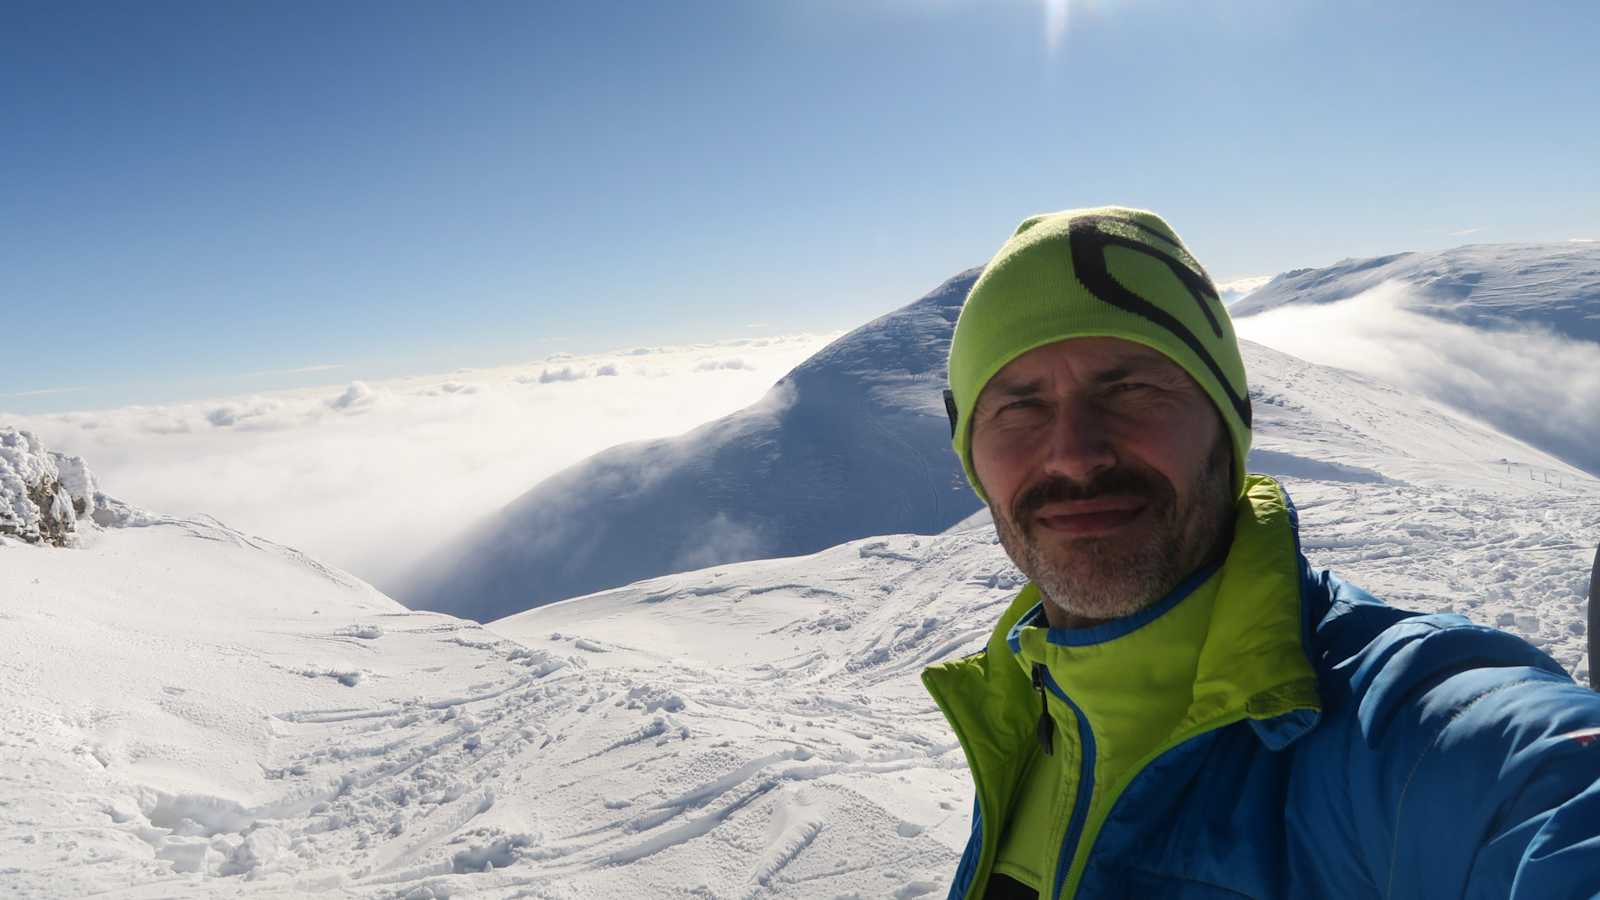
{"x": 1333, "y": 747}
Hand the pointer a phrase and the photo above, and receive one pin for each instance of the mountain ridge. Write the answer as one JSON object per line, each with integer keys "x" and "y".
{"x": 1496, "y": 286}
{"x": 851, "y": 442}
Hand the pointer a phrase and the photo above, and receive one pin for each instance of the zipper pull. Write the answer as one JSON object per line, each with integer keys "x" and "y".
{"x": 1047, "y": 728}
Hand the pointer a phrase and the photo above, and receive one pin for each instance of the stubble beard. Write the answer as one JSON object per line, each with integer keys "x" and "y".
{"x": 1096, "y": 579}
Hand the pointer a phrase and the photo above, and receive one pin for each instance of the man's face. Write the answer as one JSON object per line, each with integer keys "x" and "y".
{"x": 1108, "y": 472}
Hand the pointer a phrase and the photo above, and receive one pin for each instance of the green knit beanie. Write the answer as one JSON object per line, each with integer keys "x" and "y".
{"x": 1108, "y": 272}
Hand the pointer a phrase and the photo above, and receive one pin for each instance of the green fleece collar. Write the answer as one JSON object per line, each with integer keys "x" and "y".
{"x": 1229, "y": 639}
{"x": 1226, "y": 649}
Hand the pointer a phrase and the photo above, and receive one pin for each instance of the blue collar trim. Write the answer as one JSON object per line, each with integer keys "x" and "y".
{"x": 1108, "y": 631}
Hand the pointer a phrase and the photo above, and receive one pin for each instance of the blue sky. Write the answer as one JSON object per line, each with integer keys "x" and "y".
{"x": 201, "y": 198}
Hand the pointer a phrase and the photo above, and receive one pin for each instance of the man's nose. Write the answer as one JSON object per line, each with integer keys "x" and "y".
{"x": 1079, "y": 446}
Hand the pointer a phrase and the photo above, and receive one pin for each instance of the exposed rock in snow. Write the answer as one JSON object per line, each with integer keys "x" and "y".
{"x": 43, "y": 494}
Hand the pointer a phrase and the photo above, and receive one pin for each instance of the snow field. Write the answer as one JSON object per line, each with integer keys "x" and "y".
{"x": 751, "y": 730}
{"x": 182, "y": 703}
{"x": 826, "y": 665}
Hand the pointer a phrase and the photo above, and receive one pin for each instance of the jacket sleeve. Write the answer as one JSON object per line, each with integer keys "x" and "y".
{"x": 1468, "y": 761}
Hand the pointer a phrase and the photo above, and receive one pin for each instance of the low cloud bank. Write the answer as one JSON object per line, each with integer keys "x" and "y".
{"x": 1531, "y": 383}
{"x": 356, "y": 396}
{"x": 713, "y": 365}
{"x": 373, "y": 476}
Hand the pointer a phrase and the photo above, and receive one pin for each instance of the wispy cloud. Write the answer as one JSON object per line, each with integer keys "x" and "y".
{"x": 300, "y": 371}
{"x": 1583, "y": 240}
{"x": 1464, "y": 232}
{"x": 373, "y": 475}
{"x": 45, "y": 392}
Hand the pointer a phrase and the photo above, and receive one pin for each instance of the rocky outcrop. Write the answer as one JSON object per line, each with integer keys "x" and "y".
{"x": 43, "y": 494}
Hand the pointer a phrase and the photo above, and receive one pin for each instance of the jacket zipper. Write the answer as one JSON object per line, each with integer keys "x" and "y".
{"x": 1046, "y": 729}
{"x": 1086, "y": 750}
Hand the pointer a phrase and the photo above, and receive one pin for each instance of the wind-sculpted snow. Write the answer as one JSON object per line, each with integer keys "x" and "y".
{"x": 852, "y": 442}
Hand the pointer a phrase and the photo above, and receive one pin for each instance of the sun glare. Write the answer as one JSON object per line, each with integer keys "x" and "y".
{"x": 1055, "y": 23}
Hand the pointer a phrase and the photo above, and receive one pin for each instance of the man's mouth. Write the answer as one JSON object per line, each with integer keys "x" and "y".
{"x": 1087, "y": 517}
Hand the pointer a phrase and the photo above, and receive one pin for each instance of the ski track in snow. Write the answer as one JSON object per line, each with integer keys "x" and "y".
{"x": 753, "y": 730}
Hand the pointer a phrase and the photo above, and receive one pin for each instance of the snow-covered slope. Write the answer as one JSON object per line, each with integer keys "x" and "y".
{"x": 187, "y": 711}
{"x": 1556, "y": 286}
{"x": 181, "y": 703}
{"x": 788, "y": 749}
{"x": 1326, "y": 424}
{"x": 852, "y": 442}
{"x": 764, "y": 732}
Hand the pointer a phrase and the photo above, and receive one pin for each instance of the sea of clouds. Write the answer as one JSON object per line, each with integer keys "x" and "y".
{"x": 372, "y": 476}
{"x": 1529, "y": 382}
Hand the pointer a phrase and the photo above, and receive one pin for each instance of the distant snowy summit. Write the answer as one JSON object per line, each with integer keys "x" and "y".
{"x": 851, "y": 443}
{"x": 43, "y": 493}
{"x": 1494, "y": 286}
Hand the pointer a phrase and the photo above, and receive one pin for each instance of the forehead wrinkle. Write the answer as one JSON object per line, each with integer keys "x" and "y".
{"x": 1143, "y": 367}
{"x": 1019, "y": 388}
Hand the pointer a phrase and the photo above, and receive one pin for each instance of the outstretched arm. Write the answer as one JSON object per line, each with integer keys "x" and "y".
{"x": 1460, "y": 762}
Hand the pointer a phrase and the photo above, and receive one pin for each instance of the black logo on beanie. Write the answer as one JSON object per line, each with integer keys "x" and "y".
{"x": 1089, "y": 242}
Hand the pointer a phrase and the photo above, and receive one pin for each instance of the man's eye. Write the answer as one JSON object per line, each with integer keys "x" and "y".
{"x": 1123, "y": 387}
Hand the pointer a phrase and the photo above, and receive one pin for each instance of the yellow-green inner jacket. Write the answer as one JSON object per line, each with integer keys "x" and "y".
{"x": 1225, "y": 646}
{"x": 1268, "y": 730}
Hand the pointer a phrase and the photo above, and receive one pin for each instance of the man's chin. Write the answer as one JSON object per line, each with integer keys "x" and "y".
{"x": 1093, "y": 604}
{"x": 1103, "y": 581}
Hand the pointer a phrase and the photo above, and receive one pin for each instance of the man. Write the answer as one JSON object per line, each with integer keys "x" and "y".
{"x": 1178, "y": 705}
